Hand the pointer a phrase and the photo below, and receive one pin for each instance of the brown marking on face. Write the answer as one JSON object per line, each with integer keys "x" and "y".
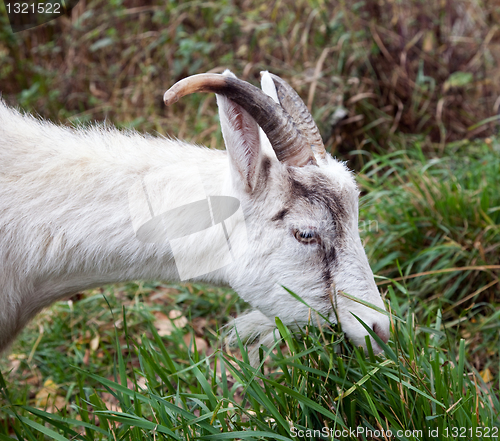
{"x": 317, "y": 191}
{"x": 327, "y": 280}
{"x": 280, "y": 215}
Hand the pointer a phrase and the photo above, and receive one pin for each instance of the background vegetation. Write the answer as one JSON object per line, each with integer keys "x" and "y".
{"x": 409, "y": 93}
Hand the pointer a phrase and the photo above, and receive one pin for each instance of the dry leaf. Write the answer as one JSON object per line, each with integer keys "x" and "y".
{"x": 112, "y": 405}
{"x": 179, "y": 320}
{"x": 165, "y": 324}
{"x": 15, "y": 361}
{"x": 49, "y": 389}
{"x": 86, "y": 357}
{"x": 201, "y": 344}
{"x": 94, "y": 343}
{"x": 17, "y": 357}
{"x": 14, "y": 365}
{"x": 141, "y": 383}
{"x": 428, "y": 44}
{"x": 162, "y": 295}
{"x": 199, "y": 324}
{"x": 48, "y": 399}
{"x": 486, "y": 375}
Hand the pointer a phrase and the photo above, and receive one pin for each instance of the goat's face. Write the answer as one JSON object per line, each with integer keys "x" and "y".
{"x": 300, "y": 207}
{"x": 302, "y": 229}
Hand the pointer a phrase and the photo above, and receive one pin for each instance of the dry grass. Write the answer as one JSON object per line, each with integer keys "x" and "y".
{"x": 391, "y": 66}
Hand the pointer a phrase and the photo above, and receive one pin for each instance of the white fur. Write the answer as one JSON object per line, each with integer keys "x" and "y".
{"x": 65, "y": 222}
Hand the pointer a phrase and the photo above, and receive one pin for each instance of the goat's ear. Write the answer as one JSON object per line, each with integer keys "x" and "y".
{"x": 241, "y": 136}
{"x": 268, "y": 87}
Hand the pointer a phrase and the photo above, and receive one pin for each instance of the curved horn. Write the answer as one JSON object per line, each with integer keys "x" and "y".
{"x": 277, "y": 124}
{"x": 294, "y": 105}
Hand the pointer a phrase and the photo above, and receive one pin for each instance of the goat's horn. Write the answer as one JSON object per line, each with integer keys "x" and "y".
{"x": 278, "y": 125}
{"x": 293, "y": 104}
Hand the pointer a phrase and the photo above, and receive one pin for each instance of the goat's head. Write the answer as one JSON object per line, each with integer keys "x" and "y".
{"x": 300, "y": 207}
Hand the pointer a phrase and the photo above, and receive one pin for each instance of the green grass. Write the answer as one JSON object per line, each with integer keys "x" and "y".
{"x": 411, "y": 80}
{"x": 116, "y": 378}
{"x": 314, "y": 381}
{"x": 438, "y": 220}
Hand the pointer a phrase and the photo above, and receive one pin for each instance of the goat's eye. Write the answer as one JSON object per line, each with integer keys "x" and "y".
{"x": 306, "y": 236}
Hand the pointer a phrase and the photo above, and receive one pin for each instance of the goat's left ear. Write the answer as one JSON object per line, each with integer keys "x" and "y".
{"x": 241, "y": 136}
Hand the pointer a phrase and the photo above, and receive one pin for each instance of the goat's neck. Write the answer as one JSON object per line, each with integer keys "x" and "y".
{"x": 81, "y": 235}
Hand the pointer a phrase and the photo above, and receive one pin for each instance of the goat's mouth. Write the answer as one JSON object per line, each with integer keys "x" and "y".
{"x": 357, "y": 333}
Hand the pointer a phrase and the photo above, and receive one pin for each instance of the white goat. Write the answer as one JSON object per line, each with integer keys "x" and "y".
{"x": 282, "y": 212}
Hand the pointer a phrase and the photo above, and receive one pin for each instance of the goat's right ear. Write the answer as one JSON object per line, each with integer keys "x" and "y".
{"x": 241, "y": 136}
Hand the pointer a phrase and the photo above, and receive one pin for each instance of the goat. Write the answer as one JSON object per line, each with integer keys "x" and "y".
{"x": 80, "y": 208}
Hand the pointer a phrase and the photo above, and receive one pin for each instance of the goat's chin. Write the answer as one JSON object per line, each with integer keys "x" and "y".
{"x": 249, "y": 328}
{"x": 254, "y": 329}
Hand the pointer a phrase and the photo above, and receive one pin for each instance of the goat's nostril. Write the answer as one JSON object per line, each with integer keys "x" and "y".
{"x": 384, "y": 336}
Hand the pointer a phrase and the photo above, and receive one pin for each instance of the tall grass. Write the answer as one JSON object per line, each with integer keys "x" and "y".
{"x": 372, "y": 72}
{"x": 436, "y": 212}
{"x": 438, "y": 233}
{"x": 314, "y": 384}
